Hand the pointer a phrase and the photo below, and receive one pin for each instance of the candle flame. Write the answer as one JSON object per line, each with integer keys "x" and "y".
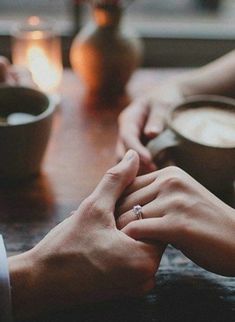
{"x": 44, "y": 73}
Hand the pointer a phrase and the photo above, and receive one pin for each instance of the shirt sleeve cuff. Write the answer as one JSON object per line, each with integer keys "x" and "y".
{"x": 5, "y": 288}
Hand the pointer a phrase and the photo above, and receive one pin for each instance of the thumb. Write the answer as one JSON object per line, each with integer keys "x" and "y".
{"x": 155, "y": 229}
{"x": 116, "y": 180}
{"x": 155, "y": 123}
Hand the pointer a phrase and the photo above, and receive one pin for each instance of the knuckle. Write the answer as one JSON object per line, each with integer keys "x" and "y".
{"x": 175, "y": 171}
{"x": 173, "y": 183}
{"x": 92, "y": 207}
{"x": 175, "y": 180}
{"x": 87, "y": 203}
{"x": 113, "y": 175}
{"x": 178, "y": 202}
{"x": 98, "y": 209}
{"x": 185, "y": 203}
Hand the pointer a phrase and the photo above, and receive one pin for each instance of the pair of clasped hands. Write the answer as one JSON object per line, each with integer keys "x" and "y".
{"x": 101, "y": 251}
{"x": 104, "y": 251}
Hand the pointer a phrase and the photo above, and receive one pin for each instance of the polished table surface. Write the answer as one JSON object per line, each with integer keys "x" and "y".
{"x": 81, "y": 149}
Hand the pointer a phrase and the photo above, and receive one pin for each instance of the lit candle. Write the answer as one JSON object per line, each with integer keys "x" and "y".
{"x": 36, "y": 47}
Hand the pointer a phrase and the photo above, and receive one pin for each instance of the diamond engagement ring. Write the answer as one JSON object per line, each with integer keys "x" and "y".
{"x": 138, "y": 212}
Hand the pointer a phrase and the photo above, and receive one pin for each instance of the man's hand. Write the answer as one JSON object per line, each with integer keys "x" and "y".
{"x": 180, "y": 211}
{"x": 143, "y": 120}
{"x": 86, "y": 258}
{"x": 12, "y": 75}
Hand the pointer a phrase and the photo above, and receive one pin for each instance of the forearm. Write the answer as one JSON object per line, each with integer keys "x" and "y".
{"x": 217, "y": 78}
{"x": 229, "y": 247}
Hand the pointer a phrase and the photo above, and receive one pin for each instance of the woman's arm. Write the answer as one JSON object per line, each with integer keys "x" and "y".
{"x": 216, "y": 78}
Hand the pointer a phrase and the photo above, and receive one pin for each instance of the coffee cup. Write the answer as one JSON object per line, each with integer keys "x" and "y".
{"x": 200, "y": 138}
{"x": 25, "y": 124}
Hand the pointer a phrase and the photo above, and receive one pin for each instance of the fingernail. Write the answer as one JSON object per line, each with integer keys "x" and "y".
{"x": 129, "y": 155}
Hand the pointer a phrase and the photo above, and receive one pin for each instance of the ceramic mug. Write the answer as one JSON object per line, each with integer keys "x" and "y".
{"x": 22, "y": 145}
{"x": 212, "y": 166}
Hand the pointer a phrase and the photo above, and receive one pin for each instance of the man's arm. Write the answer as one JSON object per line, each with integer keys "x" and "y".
{"x": 5, "y": 291}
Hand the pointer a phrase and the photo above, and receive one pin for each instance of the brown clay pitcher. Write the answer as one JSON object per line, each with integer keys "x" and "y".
{"x": 103, "y": 56}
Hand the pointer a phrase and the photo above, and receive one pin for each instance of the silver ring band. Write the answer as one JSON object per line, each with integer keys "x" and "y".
{"x": 138, "y": 212}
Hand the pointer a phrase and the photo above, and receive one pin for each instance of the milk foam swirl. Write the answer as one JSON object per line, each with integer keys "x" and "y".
{"x": 207, "y": 125}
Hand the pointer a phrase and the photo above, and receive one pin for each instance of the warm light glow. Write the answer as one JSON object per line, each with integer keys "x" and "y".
{"x": 46, "y": 75}
{"x": 34, "y": 21}
{"x": 36, "y": 47}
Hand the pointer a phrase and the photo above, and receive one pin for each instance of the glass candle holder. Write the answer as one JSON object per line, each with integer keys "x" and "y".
{"x": 36, "y": 47}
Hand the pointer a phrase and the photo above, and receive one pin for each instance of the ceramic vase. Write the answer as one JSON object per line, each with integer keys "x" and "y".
{"x": 103, "y": 56}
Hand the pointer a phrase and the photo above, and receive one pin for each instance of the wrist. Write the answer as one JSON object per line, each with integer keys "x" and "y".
{"x": 23, "y": 290}
{"x": 170, "y": 93}
{"x": 228, "y": 244}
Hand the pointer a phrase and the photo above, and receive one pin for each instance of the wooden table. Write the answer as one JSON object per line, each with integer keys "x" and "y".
{"x": 80, "y": 150}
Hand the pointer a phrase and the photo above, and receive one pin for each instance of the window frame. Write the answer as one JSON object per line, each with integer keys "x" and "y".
{"x": 164, "y": 48}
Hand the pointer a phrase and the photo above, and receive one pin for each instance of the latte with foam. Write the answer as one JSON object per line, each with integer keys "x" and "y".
{"x": 207, "y": 125}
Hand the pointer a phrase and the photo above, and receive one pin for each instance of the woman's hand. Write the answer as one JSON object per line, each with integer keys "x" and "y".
{"x": 86, "y": 258}
{"x": 144, "y": 119}
{"x": 180, "y": 211}
{"x": 12, "y": 75}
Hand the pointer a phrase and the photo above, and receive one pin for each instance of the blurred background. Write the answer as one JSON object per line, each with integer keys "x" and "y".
{"x": 175, "y": 32}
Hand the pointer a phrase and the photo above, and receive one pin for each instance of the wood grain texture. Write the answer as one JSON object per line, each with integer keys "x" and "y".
{"x": 80, "y": 150}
